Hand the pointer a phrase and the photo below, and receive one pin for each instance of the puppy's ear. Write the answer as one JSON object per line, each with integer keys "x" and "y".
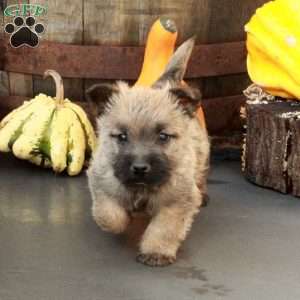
{"x": 189, "y": 98}
{"x": 98, "y": 95}
{"x": 177, "y": 65}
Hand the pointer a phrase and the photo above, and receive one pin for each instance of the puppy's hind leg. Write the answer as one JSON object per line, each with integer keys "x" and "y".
{"x": 164, "y": 235}
{"x": 110, "y": 216}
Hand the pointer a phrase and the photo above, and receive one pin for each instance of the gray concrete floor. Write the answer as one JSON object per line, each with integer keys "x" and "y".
{"x": 244, "y": 245}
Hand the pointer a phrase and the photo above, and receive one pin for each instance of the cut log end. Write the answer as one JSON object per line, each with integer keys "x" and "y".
{"x": 271, "y": 155}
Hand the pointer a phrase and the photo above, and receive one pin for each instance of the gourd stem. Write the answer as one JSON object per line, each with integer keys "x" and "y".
{"x": 168, "y": 24}
{"x": 58, "y": 85}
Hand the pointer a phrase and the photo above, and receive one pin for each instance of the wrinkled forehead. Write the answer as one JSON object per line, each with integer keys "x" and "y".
{"x": 145, "y": 109}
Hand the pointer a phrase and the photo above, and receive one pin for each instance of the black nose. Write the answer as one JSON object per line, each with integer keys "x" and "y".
{"x": 140, "y": 169}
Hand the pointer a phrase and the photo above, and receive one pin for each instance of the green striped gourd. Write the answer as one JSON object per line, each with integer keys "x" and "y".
{"x": 49, "y": 132}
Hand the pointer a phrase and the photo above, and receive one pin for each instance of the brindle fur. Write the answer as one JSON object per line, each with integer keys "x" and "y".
{"x": 174, "y": 194}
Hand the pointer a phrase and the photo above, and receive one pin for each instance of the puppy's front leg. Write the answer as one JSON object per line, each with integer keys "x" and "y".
{"x": 110, "y": 215}
{"x": 164, "y": 235}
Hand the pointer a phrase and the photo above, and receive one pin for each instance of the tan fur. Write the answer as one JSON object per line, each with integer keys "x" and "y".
{"x": 173, "y": 205}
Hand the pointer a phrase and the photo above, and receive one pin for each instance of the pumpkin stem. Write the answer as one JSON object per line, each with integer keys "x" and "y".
{"x": 58, "y": 85}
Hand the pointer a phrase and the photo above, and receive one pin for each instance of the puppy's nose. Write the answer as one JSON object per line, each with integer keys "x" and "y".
{"x": 140, "y": 168}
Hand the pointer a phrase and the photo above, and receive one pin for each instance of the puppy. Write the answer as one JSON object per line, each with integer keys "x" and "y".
{"x": 152, "y": 156}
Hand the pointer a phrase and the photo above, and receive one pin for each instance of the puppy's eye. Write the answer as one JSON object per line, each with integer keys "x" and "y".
{"x": 163, "y": 137}
{"x": 122, "y": 137}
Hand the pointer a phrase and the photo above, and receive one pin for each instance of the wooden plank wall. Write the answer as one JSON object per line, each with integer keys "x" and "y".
{"x": 19, "y": 84}
{"x": 64, "y": 23}
{"x": 126, "y": 22}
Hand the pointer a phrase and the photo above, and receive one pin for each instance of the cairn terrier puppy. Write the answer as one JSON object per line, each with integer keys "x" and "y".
{"x": 152, "y": 156}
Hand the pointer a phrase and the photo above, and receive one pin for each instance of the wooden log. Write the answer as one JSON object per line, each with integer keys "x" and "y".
{"x": 293, "y": 167}
{"x": 272, "y": 146}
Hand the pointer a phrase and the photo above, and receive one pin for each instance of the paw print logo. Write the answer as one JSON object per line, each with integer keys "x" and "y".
{"x": 24, "y": 32}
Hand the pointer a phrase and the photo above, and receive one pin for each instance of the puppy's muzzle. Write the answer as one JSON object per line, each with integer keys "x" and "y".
{"x": 147, "y": 170}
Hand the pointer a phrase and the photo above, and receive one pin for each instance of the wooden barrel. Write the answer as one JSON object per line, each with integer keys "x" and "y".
{"x": 126, "y": 23}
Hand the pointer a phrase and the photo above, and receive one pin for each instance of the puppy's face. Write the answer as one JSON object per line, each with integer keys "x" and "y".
{"x": 142, "y": 157}
{"x": 143, "y": 134}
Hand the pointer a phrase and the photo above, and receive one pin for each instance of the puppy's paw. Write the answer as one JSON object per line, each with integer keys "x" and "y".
{"x": 110, "y": 216}
{"x": 155, "y": 259}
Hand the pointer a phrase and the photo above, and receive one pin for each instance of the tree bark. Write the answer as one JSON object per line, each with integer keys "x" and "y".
{"x": 272, "y": 145}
